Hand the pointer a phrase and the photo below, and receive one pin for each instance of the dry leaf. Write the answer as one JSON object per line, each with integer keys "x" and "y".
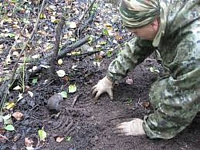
{"x": 145, "y": 104}
{"x": 18, "y": 116}
{"x": 72, "y": 25}
{"x": 28, "y": 142}
{"x": 129, "y": 81}
{"x": 60, "y": 61}
{"x": 30, "y": 93}
{"x": 59, "y": 139}
{"x": 60, "y": 73}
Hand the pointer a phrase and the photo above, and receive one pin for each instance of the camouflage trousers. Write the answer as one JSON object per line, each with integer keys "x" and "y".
{"x": 173, "y": 110}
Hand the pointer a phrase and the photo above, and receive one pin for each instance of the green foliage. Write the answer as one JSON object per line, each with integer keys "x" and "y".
{"x": 105, "y": 32}
{"x": 9, "y": 127}
{"x": 34, "y": 81}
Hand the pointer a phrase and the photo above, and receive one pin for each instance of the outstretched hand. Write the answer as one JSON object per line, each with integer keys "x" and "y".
{"x": 133, "y": 128}
{"x": 103, "y": 86}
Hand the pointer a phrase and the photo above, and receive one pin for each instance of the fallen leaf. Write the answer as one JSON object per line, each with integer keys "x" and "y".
{"x": 64, "y": 94}
{"x": 18, "y": 115}
{"x": 42, "y": 135}
{"x": 105, "y": 32}
{"x": 60, "y": 73}
{"x": 16, "y": 53}
{"x": 34, "y": 68}
{"x": 9, "y": 127}
{"x": 145, "y": 104}
{"x": 30, "y": 93}
{"x": 75, "y": 53}
{"x": 28, "y": 143}
{"x": 45, "y": 66}
{"x": 17, "y": 88}
{"x": 34, "y": 81}
{"x": 68, "y": 138}
{"x": 59, "y": 139}
{"x": 154, "y": 70}
{"x": 9, "y": 105}
{"x": 72, "y": 25}
{"x": 54, "y": 20}
{"x": 118, "y": 37}
{"x": 72, "y": 88}
{"x": 42, "y": 16}
{"x": 37, "y": 56}
{"x": 129, "y": 81}
{"x": 7, "y": 119}
{"x": 97, "y": 63}
{"x": 60, "y": 61}
{"x": 52, "y": 7}
{"x": 20, "y": 96}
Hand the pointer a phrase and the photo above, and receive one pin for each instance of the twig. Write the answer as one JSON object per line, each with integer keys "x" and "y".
{"x": 74, "y": 109}
{"x": 57, "y": 43}
{"x": 26, "y": 43}
{"x": 22, "y": 51}
{"x": 64, "y": 50}
{"x": 75, "y": 100}
{"x": 89, "y": 20}
{"x": 88, "y": 9}
{"x": 70, "y": 48}
{"x": 4, "y": 137}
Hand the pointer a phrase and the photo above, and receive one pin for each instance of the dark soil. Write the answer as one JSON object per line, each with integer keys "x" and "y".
{"x": 89, "y": 125}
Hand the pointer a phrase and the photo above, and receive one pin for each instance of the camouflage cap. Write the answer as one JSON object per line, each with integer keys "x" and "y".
{"x": 138, "y": 13}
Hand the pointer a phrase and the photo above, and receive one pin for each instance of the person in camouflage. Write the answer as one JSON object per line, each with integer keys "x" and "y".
{"x": 171, "y": 27}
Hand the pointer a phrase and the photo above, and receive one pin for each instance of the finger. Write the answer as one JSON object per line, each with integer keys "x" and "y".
{"x": 94, "y": 92}
{"x": 93, "y": 87}
{"x": 110, "y": 93}
{"x": 97, "y": 95}
{"x": 121, "y": 125}
{"x": 118, "y": 132}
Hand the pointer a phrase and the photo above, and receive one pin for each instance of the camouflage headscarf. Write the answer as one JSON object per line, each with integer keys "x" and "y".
{"x": 138, "y": 13}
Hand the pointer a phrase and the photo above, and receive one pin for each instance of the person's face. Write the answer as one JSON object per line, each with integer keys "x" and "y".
{"x": 147, "y": 32}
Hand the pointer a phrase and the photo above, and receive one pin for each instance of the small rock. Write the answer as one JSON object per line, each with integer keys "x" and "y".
{"x": 53, "y": 102}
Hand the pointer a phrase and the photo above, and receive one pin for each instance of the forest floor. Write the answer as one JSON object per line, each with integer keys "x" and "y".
{"x": 86, "y": 125}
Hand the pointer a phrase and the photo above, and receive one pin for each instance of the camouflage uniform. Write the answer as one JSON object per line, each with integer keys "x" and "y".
{"x": 175, "y": 98}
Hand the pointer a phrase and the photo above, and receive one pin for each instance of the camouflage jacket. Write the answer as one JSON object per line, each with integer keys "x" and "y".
{"x": 177, "y": 48}
{"x": 176, "y": 97}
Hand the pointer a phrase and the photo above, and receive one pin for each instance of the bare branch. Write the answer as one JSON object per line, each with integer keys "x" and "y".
{"x": 71, "y": 47}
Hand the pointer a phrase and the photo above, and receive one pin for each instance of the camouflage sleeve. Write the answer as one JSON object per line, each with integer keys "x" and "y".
{"x": 176, "y": 99}
{"x": 134, "y": 53}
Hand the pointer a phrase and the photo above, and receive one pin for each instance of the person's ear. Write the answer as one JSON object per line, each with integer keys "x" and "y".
{"x": 155, "y": 24}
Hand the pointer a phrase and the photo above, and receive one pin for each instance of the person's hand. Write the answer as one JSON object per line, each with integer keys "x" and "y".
{"x": 133, "y": 128}
{"x": 104, "y": 85}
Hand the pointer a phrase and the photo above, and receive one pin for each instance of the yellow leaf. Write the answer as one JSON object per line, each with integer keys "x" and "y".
{"x": 72, "y": 88}
{"x": 42, "y": 135}
{"x": 42, "y": 16}
{"x": 10, "y": 105}
{"x": 15, "y": 26}
{"x": 75, "y": 53}
{"x": 60, "y": 61}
